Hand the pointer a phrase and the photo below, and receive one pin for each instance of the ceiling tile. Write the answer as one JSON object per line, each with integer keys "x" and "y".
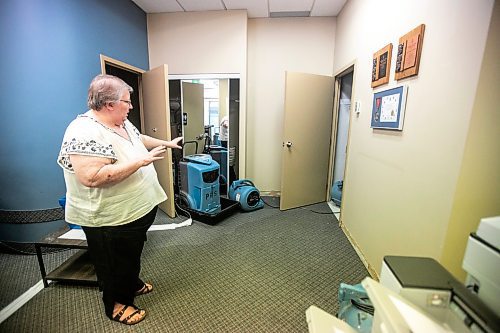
{"x": 290, "y": 5}
{"x": 255, "y": 8}
{"x": 155, "y": 6}
{"x": 327, "y": 7}
{"x": 201, "y": 5}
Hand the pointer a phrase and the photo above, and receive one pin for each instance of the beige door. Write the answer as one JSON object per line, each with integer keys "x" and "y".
{"x": 306, "y": 139}
{"x": 192, "y": 109}
{"x": 157, "y": 124}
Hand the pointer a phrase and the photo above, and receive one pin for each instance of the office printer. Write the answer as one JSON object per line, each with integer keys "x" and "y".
{"x": 429, "y": 286}
{"x": 415, "y": 295}
{"x": 482, "y": 262}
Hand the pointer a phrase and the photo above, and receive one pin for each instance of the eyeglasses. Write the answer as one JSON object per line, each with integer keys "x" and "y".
{"x": 128, "y": 102}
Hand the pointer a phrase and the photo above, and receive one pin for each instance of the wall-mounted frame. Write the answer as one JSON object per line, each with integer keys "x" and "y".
{"x": 388, "y": 108}
{"x": 381, "y": 66}
{"x": 409, "y": 51}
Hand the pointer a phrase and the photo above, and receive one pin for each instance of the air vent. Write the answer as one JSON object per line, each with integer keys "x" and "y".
{"x": 290, "y": 14}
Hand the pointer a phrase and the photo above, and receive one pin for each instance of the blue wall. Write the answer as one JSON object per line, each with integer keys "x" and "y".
{"x": 49, "y": 53}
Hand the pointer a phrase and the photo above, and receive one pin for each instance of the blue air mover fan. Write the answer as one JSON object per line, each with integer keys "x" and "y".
{"x": 246, "y": 194}
{"x": 355, "y": 307}
{"x": 336, "y": 192}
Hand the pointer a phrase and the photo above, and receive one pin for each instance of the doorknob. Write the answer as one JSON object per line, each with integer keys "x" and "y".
{"x": 155, "y": 129}
{"x": 288, "y": 144}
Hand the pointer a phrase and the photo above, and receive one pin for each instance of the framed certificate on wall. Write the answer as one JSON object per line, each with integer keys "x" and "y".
{"x": 388, "y": 108}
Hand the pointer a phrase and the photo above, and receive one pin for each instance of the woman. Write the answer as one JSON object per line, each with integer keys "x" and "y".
{"x": 113, "y": 191}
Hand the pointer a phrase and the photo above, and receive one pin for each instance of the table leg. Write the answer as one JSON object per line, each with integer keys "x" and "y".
{"x": 41, "y": 264}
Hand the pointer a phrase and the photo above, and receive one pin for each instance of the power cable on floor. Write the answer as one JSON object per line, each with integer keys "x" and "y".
{"x": 313, "y": 211}
{"x": 185, "y": 211}
{"x": 269, "y": 204}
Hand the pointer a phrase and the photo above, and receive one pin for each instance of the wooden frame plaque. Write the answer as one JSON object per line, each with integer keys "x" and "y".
{"x": 409, "y": 51}
{"x": 381, "y": 66}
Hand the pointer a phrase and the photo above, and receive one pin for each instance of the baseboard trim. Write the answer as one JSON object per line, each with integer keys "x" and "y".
{"x": 270, "y": 193}
{"x": 20, "y": 301}
{"x": 373, "y": 273}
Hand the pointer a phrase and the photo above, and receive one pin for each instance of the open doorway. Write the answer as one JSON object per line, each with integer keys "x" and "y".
{"x": 202, "y": 103}
{"x": 132, "y": 76}
{"x": 342, "y": 106}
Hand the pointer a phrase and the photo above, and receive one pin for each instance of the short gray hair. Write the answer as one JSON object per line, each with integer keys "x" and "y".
{"x": 105, "y": 89}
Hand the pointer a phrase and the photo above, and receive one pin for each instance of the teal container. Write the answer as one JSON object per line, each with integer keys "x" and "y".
{"x": 62, "y": 203}
{"x": 336, "y": 192}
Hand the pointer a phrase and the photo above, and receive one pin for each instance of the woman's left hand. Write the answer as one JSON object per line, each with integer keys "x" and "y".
{"x": 175, "y": 142}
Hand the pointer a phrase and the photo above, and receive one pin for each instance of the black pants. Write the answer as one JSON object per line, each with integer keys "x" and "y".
{"x": 116, "y": 254}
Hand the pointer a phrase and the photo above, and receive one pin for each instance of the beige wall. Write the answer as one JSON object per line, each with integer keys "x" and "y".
{"x": 416, "y": 192}
{"x": 478, "y": 188}
{"x": 223, "y": 98}
{"x": 275, "y": 46}
{"x": 399, "y": 189}
{"x": 213, "y": 42}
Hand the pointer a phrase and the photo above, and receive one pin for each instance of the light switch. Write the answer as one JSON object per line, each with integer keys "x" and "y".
{"x": 357, "y": 107}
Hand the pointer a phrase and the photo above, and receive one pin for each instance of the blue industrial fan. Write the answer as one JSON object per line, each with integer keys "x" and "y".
{"x": 246, "y": 194}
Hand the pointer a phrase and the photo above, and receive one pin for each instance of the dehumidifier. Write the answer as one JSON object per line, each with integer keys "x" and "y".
{"x": 219, "y": 154}
{"x": 199, "y": 183}
{"x": 246, "y": 194}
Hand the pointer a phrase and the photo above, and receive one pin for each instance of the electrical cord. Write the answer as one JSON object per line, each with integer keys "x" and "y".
{"x": 368, "y": 308}
{"x": 177, "y": 206}
{"x": 269, "y": 204}
{"x": 313, "y": 211}
{"x": 473, "y": 287}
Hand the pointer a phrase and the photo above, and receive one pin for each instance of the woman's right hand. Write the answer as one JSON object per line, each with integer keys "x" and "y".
{"x": 154, "y": 154}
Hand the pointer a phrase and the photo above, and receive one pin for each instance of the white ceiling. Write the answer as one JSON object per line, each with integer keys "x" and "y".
{"x": 255, "y": 8}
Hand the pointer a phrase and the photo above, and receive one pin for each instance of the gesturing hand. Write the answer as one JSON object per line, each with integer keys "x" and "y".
{"x": 154, "y": 155}
{"x": 176, "y": 142}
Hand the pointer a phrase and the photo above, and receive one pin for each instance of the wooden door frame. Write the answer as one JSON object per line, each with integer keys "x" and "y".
{"x": 105, "y": 60}
{"x": 349, "y": 68}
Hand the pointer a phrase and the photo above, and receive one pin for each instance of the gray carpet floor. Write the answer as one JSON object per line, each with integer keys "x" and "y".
{"x": 21, "y": 272}
{"x": 252, "y": 272}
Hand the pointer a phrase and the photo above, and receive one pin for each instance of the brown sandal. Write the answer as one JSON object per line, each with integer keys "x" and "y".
{"x": 127, "y": 320}
{"x": 146, "y": 288}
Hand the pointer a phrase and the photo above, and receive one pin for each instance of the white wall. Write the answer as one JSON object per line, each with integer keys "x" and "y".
{"x": 213, "y": 42}
{"x": 275, "y": 46}
{"x": 399, "y": 187}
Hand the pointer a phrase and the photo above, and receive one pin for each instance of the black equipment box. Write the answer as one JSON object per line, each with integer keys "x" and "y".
{"x": 228, "y": 207}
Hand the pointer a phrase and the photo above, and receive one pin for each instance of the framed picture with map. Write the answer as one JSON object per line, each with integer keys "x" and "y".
{"x": 388, "y": 109}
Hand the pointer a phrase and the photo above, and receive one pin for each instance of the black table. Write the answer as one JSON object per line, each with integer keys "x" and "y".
{"x": 77, "y": 269}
